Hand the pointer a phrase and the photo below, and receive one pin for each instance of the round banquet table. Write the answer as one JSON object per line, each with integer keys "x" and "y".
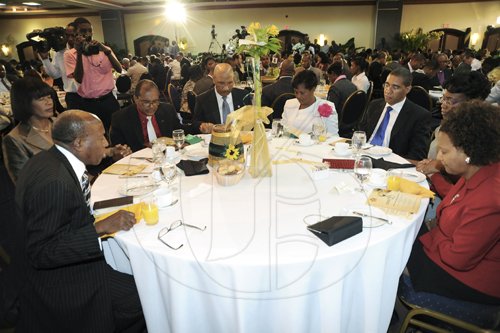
{"x": 256, "y": 268}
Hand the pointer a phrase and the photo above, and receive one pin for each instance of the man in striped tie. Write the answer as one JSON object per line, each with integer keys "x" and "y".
{"x": 69, "y": 286}
{"x": 395, "y": 121}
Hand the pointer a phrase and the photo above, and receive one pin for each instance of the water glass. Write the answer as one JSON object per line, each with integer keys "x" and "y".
{"x": 319, "y": 130}
{"x": 358, "y": 141}
{"x": 149, "y": 210}
{"x": 168, "y": 172}
{"x": 277, "y": 128}
{"x": 158, "y": 149}
{"x": 179, "y": 137}
{"x": 362, "y": 170}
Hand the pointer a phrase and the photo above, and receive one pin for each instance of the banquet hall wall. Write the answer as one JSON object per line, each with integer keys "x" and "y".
{"x": 336, "y": 22}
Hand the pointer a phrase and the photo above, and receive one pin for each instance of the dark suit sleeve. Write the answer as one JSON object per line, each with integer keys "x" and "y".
{"x": 15, "y": 155}
{"x": 266, "y": 98}
{"x": 116, "y": 134}
{"x": 53, "y": 240}
{"x": 334, "y": 97}
{"x": 198, "y": 114}
{"x": 419, "y": 141}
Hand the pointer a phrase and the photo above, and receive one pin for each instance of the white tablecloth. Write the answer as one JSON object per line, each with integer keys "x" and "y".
{"x": 256, "y": 268}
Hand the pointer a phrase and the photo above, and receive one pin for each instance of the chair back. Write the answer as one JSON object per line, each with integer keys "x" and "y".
{"x": 146, "y": 76}
{"x": 123, "y": 84}
{"x": 248, "y": 99}
{"x": 191, "y": 99}
{"x": 369, "y": 93}
{"x": 420, "y": 96}
{"x": 352, "y": 113}
{"x": 169, "y": 77}
{"x": 279, "y": 103}
{"x": 175, "y": 97}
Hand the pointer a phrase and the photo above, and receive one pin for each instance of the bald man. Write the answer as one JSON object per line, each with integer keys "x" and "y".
{"x": 69, "y": 286}
{"x": 283, "y": 85}
{"x": 213, "y": 106}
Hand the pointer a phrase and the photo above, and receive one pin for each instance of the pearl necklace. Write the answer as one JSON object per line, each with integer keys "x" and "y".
{"x": 40, "y": 130}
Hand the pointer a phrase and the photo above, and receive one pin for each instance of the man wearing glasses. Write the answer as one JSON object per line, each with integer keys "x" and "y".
{"x": 141, "y": 123}
{"x": 395, "y": 121}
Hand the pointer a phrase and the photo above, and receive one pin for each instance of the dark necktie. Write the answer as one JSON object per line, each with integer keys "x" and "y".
{"x": 378, "y": 138}
{"x": 225, "y": 109}
{"x": 86, "y": 188}
{"x": 5, "y": 84}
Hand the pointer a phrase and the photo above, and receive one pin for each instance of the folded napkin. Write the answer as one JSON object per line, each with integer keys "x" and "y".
{"x": 192, "y": 139}
{"x": 193, "y": 168}
{"x": 407, "y": 186}
{"x": 136, "y": 209}
{"x": 380, "y": 163}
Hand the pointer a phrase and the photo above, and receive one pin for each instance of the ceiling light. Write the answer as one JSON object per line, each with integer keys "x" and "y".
{"x": 31, "y": 4}
{"x": 175, "y": 11}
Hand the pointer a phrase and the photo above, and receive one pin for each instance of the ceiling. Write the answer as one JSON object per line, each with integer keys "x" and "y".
{"x": 16, "y": 7}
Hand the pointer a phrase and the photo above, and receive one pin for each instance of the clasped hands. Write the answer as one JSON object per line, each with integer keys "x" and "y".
{"x": 429, "y": 166}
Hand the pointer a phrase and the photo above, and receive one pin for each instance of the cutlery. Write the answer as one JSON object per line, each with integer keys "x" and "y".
{"x": 171, "y": 204}
{"x": 142, "y": 186}
{"x": 371, "y": 216}
{"x": 149, "y": 159}
{"x": 124, "y": 176}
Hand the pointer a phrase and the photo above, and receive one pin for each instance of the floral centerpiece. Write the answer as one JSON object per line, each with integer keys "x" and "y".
{"x": 416, "y": 39}
{"x": 260, "y": 41}
{"x": 229, "y": 171}
{"x": 298, "y": 48}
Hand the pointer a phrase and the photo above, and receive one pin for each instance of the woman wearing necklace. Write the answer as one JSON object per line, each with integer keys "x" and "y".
{"x": 32, "y": 107}
{"x": 300, "y": 113}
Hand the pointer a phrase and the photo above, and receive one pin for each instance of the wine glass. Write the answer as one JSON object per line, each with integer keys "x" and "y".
{"x": 358, "y": 141}
{"x": 168, "y": 172}
{"x": 179, "y": 137}
{"x": 362, "y": 169}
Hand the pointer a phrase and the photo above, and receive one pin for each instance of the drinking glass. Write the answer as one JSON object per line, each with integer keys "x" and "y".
{"x": 362, "y": 169}
{"x": 358, "y": 141}
{"x": 277, "y": 128}
{"x": 179, "y": 137}
{"x": 158, "y": 149}
{"x": 149, "y": 210}
{"x": 168, "y": 172}
{"x": 319, "y": 130}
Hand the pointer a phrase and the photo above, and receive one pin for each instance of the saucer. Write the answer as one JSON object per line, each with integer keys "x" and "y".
{"x": 307, "y": 144}
{"x": 348, "y": 152}
{"x": 379, "y": 151}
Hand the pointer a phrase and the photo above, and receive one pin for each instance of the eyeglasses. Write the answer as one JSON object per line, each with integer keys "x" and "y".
{"x": 394, "y": 87}
{"x": 174, "y": 225}
{"x": 149, "y": 103}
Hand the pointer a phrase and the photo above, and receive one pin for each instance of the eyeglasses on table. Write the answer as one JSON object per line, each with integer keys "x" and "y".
{"x": 174, "y": 225}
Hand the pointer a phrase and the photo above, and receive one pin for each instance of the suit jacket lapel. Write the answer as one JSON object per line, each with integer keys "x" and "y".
{"x": 400, "y": 120}
{"x": 35, "y": 139}
{"x": 136, "y": 125}
{"x": 216, "y": 113}
{"x": 160, "y": 117}
{"x": 378, "y": 109}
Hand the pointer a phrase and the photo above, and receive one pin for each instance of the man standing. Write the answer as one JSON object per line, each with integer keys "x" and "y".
{"x": 213, "y": 106}
{"x": 90, "y": 64}
{"x": 140, "y": 123}
{"x": 396, "y": 122}
{"x": 69, "y": 286}
{"x": 56, "y": 68}
{"x": 307, "y": 65}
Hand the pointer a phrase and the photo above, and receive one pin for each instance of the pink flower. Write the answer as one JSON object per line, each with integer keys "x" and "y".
{"x": 325, "y": 110}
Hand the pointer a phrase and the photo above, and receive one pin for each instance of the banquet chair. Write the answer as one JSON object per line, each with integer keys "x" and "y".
{"x": 191, "y": 100}
{"x": 279, "y": 103}
{"x": 352, "y": 113}
{"x": 123, "y": 84}
{"x": 420, "y": 96}
{"x": 175, "y": 97}
{"x": 248, "y": 99}
{"x": 441, "y": 314}
{"x": 369, "y": 93}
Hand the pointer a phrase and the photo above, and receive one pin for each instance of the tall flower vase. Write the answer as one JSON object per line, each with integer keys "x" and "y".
{"x": 260, "y": 162}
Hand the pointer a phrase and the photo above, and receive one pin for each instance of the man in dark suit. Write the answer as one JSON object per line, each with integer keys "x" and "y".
{"x": 69, "y": 286}
{"x": 140, "y": 123}
{"x": 340, "y": 86}
{"x": 283, "y": 85}
{"x": 444, "y": 72}
{"x": 425, "y": 79}
{"x": 213, "y": 106}
{"x": 207, "y": 82}
{"x": 375, "y": 71}
{"x": 396, "y": 122}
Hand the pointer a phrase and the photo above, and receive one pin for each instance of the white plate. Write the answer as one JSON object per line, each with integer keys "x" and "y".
{"x": 414, "y": 176}
{"x": 368, "y": 222}
{"x": 297, "y": 142}
{"x": 379, "y": 151}
{"x": 347, "y": 153}
{"x": 138, "y": 188}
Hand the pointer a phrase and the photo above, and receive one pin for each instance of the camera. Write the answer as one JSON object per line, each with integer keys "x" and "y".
{"x": 87, "y": 48}
{"x": 49, "y": 38}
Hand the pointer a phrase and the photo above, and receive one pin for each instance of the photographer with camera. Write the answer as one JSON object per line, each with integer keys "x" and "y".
{"x": 90, "y": 64}
{"x": 56, "y": 68}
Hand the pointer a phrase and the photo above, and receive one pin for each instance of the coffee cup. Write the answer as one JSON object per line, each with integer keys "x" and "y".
{"x": 164, "y": 197}
{"x": 305, "y": 139}
{"x": 378, "y": 177}
{"x": 342, "y": 148}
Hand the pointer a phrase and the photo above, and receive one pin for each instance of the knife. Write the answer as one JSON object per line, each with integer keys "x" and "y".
{"x": 373, "y": 217}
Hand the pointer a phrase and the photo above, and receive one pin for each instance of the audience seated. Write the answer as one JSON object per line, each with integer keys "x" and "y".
{"x": 307, "y": 65}
{"x": 194, "y": 74}
{"x": 395, "y": 121}
{"x": 359, "y": 78}
{"x": 459, "y": 258}
{"x": 206, "y": 82}
{"x": 340, "y": 86}
{"x": 281, "y": 86}
{"x": 375, "y": 70}
{"x": 444, "y": 72}
{"x": 139, "y": 124}
{"x": 136, "y": 71}
{"x": 425, "y": 79}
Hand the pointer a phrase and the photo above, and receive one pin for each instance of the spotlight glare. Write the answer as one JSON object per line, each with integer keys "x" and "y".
{"x": 175, "y": 11}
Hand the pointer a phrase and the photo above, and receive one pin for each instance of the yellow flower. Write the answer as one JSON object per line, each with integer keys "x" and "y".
{"x": 253, "y": 26}
{"x": 273, "y": 30}
{"x": 232, "y": 153}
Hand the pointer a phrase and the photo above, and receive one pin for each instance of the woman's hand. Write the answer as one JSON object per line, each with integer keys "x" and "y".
{"x": 429, "y": 167}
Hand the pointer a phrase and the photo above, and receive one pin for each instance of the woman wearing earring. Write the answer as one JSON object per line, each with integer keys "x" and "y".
{"x": 460, "y": 257}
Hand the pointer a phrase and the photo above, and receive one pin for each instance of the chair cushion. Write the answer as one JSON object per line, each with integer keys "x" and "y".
{"x": 485, "y": 316}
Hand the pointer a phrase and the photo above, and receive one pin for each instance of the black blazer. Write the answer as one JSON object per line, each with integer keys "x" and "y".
{"x": 447, "y": 74}
{"x": 206, "y": 109}
{"x": 270, "y": 92}
{"x": 411, "y": 132}
{"x": 66, "y": 289}
{"x": 126, "y": 127}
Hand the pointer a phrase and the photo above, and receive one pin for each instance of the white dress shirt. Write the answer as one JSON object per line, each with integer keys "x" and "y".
{"x": 396, "y": 108}
{"x": 229, "y": 100}
{"x": 361, "y": 82}
{"x": 56, "y": 69}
